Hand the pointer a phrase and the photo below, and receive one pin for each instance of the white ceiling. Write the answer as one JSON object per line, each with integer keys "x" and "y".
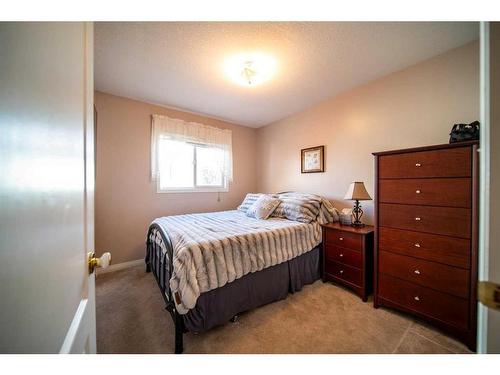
{"x": 180, "y": 64}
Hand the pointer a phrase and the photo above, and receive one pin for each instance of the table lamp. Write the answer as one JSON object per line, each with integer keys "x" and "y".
{"x": 357, "y": 192}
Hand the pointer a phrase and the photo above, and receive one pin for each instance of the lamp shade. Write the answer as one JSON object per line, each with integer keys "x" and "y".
{"x": 358, "y": 192}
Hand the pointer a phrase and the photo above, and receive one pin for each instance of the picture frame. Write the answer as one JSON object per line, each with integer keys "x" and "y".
{"x": 312, "y": 159}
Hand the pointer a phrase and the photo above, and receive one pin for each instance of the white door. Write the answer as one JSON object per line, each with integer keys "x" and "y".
{"x": 46, "y": 188}
{"x": 489, "y": 238}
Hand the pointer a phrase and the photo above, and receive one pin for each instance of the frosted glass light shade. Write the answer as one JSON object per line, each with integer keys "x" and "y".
{"x": 358, "y": 192}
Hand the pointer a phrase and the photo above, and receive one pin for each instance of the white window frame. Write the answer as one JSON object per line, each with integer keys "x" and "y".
{"x": 224, "y": 188}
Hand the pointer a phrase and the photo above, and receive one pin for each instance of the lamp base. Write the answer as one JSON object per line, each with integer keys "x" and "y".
{"x": 358, "y": 212}
{"x": 358, "y": 225}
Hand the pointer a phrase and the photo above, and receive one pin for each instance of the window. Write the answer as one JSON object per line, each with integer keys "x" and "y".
{"x": 189, "y": 157}
{"x": 190, "y": 166}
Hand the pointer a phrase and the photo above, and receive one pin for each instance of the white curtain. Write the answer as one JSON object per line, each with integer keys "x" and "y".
{"x": 164, "y": 127}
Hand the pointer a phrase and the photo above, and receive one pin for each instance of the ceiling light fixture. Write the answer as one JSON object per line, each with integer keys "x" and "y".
{"x": 248, "y": 72}
{"x": 250, "y": 69}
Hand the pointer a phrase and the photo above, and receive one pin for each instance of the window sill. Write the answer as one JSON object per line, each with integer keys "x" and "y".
{"x": 201, "y": 190}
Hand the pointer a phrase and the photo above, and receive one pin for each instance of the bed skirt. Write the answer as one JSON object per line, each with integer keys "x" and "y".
{"x": 218, "y": 306}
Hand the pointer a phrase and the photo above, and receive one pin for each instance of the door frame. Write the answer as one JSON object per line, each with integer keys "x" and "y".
{"x": 484, "y": 180}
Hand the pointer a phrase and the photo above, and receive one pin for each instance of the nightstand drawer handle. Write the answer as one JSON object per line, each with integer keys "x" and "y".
{"x": 417, "y": 245}
{"x": 341, "y": 271}
{"x": 417, "y": 272}
{"x": 417, "y": 219}
{"x": 418, "y": 191}
{"x": 416, "y": 298}
{"x": 418, "y": 165}
{"x": 341, "y": 238}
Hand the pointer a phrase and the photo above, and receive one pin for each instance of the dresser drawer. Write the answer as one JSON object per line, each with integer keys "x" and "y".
{"x": 346, "y": 256}
{"x": 439, "y": 220}
{"x": 443, "y": 249}
{"x": 437, "y": 276}
{"x": 344, "y": 239}
{"x": 450, "y": 192}
{"x": 453, "y": 162}
{"x": 341, "y": 271}
{"x": 444, "y": 307}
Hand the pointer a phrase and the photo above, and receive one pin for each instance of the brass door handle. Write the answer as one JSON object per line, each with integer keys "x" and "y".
{"x": 103, "y": 262}
{"x": 489, "y": 294}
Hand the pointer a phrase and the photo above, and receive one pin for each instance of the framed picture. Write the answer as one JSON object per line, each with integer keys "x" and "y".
{"x": 312, "y": 159}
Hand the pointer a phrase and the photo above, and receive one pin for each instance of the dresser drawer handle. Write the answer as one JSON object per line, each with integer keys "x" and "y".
{"x": 341, "y": 271}
{"x": 418, "y": 165}
{"x": 341, "y": 255}
{"x": 341, "y": 238}
{"x": 417, "y": 245}
{"x": 417, "y": 219}
{"x": 416, "y": 272}
{"x": 418, "y": 191}
{"x": 416, "y": 298}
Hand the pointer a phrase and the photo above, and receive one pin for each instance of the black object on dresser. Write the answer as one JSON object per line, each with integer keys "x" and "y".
{"x": 426, "y": 235}
{"x": 348, "y": 257}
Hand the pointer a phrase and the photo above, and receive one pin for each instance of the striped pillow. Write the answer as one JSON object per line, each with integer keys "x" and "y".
{"x": 249, "y": 200}
{"x": 327, "y": 213}
{"x": 263, "y": 207}
{"x": 305, "y": 208}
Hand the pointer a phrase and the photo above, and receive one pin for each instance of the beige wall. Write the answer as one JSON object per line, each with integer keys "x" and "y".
{"x": 125, "y": 198}
{"x": 413, "y": 107}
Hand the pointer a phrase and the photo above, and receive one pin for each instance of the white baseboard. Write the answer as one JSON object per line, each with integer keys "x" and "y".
{"x": 120, "y": 266}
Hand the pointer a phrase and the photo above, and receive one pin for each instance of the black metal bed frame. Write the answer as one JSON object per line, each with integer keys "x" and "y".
{"x": 159, "y": 259}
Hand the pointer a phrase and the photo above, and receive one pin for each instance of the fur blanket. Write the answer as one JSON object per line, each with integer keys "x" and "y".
{"x": 213, "y": 249}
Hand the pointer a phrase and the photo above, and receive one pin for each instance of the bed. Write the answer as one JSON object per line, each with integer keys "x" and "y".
{"x": 210, "y": 267}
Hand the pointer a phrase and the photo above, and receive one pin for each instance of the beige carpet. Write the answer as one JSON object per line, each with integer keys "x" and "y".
{"x": 322, "y": 318}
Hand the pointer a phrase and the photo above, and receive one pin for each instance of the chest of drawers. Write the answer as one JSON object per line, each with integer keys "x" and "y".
{"x": 426, "y": 229}
{"x": 348, "y": 257}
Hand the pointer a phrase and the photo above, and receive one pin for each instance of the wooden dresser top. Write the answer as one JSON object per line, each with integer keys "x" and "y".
{"x": 427, "y": 148}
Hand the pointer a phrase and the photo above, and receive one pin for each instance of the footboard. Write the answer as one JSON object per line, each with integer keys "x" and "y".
{"x": 159, "y": 260}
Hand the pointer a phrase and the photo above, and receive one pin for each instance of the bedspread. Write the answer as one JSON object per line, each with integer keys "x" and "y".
{"x": 213, "y": 249}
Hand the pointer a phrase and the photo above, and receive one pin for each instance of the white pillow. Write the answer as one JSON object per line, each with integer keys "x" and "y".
{"x": 263, "y": 207}
{"x": 249, "y": 201}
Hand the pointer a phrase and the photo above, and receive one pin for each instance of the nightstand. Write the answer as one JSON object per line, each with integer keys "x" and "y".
{"x": 348, "y": 257}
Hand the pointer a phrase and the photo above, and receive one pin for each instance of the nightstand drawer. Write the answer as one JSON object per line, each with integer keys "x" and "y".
{"x": 341, "y": 271}
{"x": 346, "y": 256}
{"x": 344, "y": 239}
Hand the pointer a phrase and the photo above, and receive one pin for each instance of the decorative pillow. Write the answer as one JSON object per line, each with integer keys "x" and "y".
{"x": 298, "y": 207}
{"x": 305, "y": 208}
{"x": 248, "y": 201}
{"x": 327, "y": 213}
{"x": 263, "y": 207}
